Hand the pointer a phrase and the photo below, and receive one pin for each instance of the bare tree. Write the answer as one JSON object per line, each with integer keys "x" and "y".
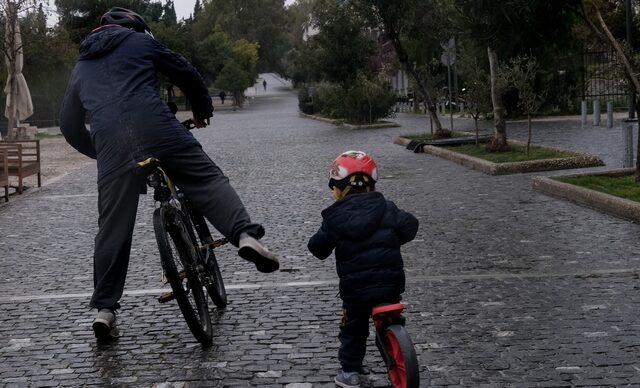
{"x": 591, "y": 13}
{"x": 477, "y": 95}
{"x": 521, "y": 74}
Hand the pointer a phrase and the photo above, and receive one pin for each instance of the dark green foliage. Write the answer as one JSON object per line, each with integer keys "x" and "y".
{"x": 363, "y": 101}
{"x": 305, "y": 101}
{"x": 260, "y": 21}
{"x": 79, "y": 17}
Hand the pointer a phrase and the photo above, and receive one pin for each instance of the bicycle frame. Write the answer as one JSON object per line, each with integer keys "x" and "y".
{"x": 170, "y": 197}
{"x": 166, "y": 192}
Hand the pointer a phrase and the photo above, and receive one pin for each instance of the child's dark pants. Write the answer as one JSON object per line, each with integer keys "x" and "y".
{"x": 354, "y": 331}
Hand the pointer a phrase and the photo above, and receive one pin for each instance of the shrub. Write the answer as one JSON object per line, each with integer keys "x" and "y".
{"x": 305, "y": 101}
{"x": 368, "y": 100}
{"x": 362, "y": 101}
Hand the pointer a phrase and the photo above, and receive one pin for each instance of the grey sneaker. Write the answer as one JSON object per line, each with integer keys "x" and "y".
{"x": 347, "y": 380}
{"x": 104, "y": 326}
{"x": 252, "y": 250}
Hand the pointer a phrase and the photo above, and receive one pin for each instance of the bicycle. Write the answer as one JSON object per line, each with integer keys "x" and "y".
{"x": 186, "y": 251}
{"x": 395, "y": 346}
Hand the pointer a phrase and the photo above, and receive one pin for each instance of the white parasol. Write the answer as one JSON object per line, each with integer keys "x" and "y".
{"x": 19, "y": 105}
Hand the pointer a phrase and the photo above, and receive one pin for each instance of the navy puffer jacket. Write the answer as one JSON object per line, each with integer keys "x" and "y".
{"x": 115, "y": 82}
{"x": 366, "y": 231}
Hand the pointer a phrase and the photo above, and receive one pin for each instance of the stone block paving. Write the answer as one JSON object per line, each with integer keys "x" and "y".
{"x": 506, "y": 286}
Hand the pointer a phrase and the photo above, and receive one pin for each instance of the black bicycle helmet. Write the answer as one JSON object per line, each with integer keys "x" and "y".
{"x": 125, "y": 18}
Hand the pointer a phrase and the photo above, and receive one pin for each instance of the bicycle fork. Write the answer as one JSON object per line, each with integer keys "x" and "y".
{"x": 383, "y": 317}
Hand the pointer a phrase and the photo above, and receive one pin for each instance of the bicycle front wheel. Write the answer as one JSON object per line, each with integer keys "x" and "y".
{"x": 402, "y": 365}
{"x": 177, "y": 253}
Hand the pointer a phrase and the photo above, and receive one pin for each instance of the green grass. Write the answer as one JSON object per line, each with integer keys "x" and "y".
{"x": 517, "y": 153}
{"x": 624, "y": 186}
{"x": 429, "y": 136}
{"x": 43, "y": 135}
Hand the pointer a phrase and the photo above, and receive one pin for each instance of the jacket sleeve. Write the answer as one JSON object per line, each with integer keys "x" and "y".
{"x": 407, "y": 226}
{"x": 322, "y": 243}
{"x": 182, "y": 74}
{"x": 72, "y": 126}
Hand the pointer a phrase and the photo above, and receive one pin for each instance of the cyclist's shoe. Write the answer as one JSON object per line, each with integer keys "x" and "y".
{"x": 347, "y": 380}
{"x": 252, "y": 250}
{"x": 104, "y": 326}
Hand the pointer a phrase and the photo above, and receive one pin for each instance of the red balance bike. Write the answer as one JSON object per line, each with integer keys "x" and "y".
{"x": 395, "y": 346}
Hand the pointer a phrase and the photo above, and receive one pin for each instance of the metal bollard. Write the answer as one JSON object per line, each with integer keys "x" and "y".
{"x": 610, "y": 114}
{"x": 584, "y": 113}
{"x": 628, "y": 146}
{"x": 596, "y": 112}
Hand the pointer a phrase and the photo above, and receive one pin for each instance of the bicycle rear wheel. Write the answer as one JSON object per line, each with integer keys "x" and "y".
{"x": 216, "y": 289}
{"x": 177, "y": 253}
{"x": 402, "y": 365}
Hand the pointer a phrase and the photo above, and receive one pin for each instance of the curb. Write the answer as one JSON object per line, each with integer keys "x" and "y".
{"x": 620, "y": 207}
{"x": 341, "y": 123}
{"x": 491, "y": 168}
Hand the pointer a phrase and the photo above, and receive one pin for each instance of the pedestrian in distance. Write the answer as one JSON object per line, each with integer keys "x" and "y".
{"x": 222, "y": 96}
{"x": 114, "y": 84}
{"x": 366, "y": 230}
{"x": 264, "y": 84}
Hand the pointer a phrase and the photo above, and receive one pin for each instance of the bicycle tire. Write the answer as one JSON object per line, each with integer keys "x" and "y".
{"x": 176, "y": 252}
{"x": 402, "y": 365}
{"x": 215, "y": 289}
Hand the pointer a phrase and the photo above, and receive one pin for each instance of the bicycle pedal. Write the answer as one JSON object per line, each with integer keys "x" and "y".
{"x": 166, "y": 297}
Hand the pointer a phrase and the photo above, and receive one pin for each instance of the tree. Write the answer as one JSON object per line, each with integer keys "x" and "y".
{"x": 345, "y": 49}
{"x": 477, "y": 95}
{"x": 51, "y": 55}
{"x": 521, "y": 74}
{"x": 169, "y": 13}
{"x": 591, "y": 12}
{"x": 239, "y": 71}
{"x": 79, "y": 17}
{"x": 260, "y": 21}
{"x": 411, "y": 24}
{"x": 505, "y": 29}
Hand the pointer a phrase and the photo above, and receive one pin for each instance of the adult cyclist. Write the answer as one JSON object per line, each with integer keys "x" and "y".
{"x": 114, "y": 85}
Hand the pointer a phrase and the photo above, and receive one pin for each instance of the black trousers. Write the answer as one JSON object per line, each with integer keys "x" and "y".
{"x": 354, "y": 331}
{"x": 204, "y": 184}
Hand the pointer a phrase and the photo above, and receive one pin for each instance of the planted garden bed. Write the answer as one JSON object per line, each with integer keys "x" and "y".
{"x": 503, "y": 163}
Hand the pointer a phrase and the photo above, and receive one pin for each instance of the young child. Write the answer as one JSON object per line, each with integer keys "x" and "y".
{"x": 366, "y": 231}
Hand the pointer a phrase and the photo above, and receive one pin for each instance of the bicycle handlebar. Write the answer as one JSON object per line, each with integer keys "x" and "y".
{"x": 190, "y": 124}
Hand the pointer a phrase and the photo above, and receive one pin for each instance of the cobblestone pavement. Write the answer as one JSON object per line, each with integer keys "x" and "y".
{"x": 506, "y": 286}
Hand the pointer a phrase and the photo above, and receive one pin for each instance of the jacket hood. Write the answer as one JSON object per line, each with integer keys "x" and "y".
{"x": 102, "y": 41}
{"x": 356, "y": 216}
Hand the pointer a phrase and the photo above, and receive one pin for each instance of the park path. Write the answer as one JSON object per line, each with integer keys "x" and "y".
{"x": 506, "y": 286}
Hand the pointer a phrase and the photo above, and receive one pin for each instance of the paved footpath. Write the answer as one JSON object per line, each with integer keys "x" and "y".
{"x": 506, "y": 286}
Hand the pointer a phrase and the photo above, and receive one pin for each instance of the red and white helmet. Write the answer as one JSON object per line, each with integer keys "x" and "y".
{"x": 352, "y": 162}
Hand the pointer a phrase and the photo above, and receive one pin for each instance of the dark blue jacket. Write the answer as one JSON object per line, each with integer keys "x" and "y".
{"x": 366, "y": 231}
{"x": 115, "y": 82}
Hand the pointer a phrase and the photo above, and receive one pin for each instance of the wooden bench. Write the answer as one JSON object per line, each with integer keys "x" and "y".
{"x": 23, "y": 159}
{"x": 4, "y": 173}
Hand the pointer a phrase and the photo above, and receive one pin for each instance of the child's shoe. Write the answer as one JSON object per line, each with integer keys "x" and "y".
{"x": 347, "y": 380}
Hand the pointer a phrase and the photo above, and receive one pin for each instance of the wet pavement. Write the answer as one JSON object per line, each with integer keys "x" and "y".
{"x": 506, "y": 286}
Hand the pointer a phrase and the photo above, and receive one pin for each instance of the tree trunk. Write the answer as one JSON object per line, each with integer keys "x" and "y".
{"x": 529, "y": 129}
{"x": 475, "y": 120}
{"x": 638, "y": 142}
{"x": 499, "y": 141}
